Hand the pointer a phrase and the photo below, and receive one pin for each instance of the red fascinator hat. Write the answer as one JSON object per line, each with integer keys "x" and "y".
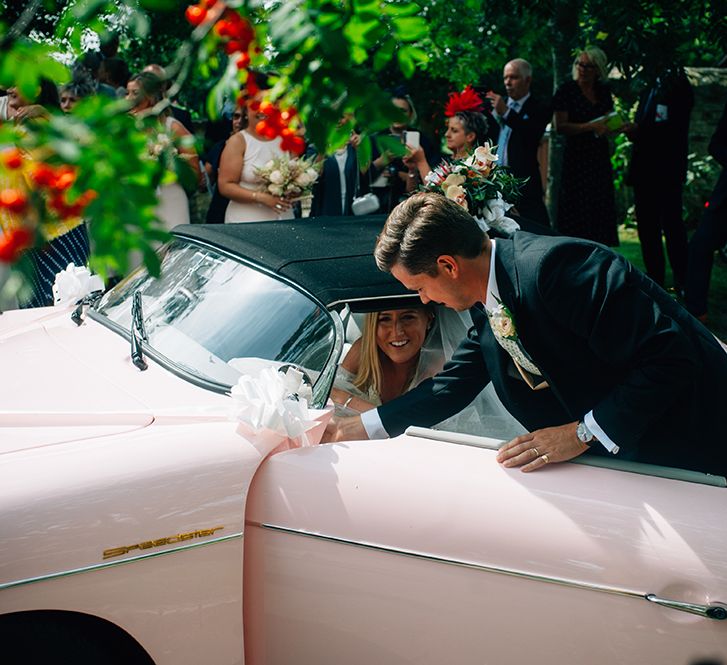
{"x": 467, "y": 100}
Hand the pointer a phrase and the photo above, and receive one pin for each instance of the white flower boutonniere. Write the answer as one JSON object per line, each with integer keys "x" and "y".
{"x": 502, "y": 322}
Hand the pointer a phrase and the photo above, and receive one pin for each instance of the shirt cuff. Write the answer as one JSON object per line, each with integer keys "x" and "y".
{"x": 372, "y": 424}
{"x": 602, "y": 437}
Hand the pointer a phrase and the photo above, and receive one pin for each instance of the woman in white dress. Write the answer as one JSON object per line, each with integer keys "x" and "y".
{"x": 144, "y": 91}
{"x": 237, "y": 181}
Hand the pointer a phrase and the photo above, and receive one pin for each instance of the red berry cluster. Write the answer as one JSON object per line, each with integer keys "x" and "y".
{"x": 237, "y": 36}
{"x": 14, "y": 242}
{"x": 276, "y": 123}
{"x": 56, "y": 181}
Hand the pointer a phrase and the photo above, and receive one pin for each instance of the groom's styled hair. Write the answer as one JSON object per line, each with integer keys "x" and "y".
{"x": 422, "y": 228}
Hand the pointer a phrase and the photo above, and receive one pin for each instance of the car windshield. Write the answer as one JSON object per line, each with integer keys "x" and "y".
{"x": 218, "y": 318}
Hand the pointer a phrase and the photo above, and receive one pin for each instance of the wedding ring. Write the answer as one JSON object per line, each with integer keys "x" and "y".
{"x": 278, "y": 206}
{"x": 544, "y": 458}
{"x": 535, "y": 450}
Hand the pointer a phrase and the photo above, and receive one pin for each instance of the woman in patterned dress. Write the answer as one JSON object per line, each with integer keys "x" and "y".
{"x": 586, "y": 207}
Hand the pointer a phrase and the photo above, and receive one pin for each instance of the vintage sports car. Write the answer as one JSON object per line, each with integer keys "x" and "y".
{"x": 137, "y": 525}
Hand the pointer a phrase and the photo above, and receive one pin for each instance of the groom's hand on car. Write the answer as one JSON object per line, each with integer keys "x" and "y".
{"x": 537, "y": 449}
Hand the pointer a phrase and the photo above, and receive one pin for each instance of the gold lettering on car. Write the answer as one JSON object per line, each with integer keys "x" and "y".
{"x": 159, "y": 542}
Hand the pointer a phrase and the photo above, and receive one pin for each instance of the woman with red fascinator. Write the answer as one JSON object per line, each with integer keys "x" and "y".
{"x": 466, "y": 129}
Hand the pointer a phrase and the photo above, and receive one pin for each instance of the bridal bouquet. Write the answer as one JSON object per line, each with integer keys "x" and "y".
{"x": 291, "y": 178}
{"x": 479, "y": 186}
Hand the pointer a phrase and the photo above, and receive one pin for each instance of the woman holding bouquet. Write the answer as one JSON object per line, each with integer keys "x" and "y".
{"x": 245, "y": 153}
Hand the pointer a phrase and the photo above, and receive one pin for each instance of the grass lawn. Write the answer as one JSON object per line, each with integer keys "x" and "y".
{"x": 717, "y": 323}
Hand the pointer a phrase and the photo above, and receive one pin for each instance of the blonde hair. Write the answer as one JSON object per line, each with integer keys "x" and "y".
{"x": 369, "y": 373}
{"x": 596, "y": 56}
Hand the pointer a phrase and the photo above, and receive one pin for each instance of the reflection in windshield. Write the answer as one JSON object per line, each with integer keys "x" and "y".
{"x": 214, "y": 316}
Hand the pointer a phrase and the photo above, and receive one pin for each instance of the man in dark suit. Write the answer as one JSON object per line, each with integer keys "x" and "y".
{"x": 522, "y": 121}
{"x": 658, "y": 171}
{"x": 711, "y": 234}
{"x": 585, "y": 351}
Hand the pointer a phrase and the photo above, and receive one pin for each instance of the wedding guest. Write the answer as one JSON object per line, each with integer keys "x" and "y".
{"x": 658, "y": 171}
{"x": 711, "y": 234}
{"x": 522, "y": 120}
{"x": 391, "y": 177}
{"x": 80, "y": 86}
{"x": 218, "y": 203}
{"x": 145, "y": 91}
{"x": 244, "y": 153}
{"x": 586, "y": 205}
{"x": 586, "y": 352}
{"x": 178, "y": 113}
{"x": 339, "y": 181}
{"x": 114, "y": 72}
{"x": 467, "y": 128}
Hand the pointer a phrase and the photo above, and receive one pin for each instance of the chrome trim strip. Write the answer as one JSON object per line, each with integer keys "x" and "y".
{"x": 109, "y": 564}
{"x": 457, "y": 562}
{"x": 335, "y": 303}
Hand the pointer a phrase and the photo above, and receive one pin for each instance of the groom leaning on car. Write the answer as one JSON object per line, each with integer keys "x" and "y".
{"x": 584, "y": 350}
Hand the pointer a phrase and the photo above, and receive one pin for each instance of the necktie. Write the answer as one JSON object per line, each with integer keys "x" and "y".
{"x": 505, "y": 132}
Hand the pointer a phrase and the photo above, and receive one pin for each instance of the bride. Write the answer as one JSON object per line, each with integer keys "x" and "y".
{"x": 399, "y": 349}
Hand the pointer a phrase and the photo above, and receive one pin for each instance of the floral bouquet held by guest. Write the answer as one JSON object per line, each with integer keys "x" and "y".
{"x": 292, "y": 179}
{"x": 480, "y": 187}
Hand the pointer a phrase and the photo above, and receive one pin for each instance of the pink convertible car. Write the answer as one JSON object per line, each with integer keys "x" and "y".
{"x": 138, "y": 526}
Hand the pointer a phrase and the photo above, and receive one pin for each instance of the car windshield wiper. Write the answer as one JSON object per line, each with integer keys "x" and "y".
{"x": 89, "y": 300}
{"x": 138, "y": 332}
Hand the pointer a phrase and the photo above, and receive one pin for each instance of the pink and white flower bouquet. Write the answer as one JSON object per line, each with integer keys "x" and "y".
{"x": 291, "y": 178}
{"x": 480, "y": 186}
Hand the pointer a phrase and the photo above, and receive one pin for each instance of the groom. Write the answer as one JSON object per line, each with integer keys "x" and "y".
{"x": 584, "y": 350}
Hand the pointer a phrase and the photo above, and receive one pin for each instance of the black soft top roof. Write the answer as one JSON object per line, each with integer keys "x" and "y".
{"x": 332, "y": 257}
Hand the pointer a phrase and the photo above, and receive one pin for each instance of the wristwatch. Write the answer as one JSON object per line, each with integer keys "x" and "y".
{"x": 584, "y": 434}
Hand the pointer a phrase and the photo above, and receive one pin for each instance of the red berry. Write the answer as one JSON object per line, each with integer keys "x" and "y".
{"x": 14, "y": 200}
{"x": 64, "y": 178}
{"x": 195, "y": 14}
{"x": 298, "y": 145}
{"x": 243, "y": 61}
{"x": 43, "y": 175}
{"x": 14, "y": 243}
{"x": 222, "y": 28}
{"x": 233, "y": 46}
{"x": 12, "y": 158}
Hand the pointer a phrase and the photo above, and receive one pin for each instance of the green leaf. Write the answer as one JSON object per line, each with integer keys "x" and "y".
{"x": 383, "y": 55}
{"x": 357, "y": 31}
{"x": 163, "y": 5}
{"x": 358, "y": 54}
{"x": 406, "y": 62}
{"x": 410, "y": 29}
{"x": 363, "y": 154}
{"x": 366, "y": 6}
{"x": 401, "y": 9}
{"x": 385, "y": 142}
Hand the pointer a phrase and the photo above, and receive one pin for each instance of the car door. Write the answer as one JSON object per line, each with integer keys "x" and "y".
{"x": 419, "y": 550}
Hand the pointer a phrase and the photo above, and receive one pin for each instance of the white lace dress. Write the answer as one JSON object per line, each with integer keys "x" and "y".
{"x": 257, "y": 154}
{"x": 173, "y": 208}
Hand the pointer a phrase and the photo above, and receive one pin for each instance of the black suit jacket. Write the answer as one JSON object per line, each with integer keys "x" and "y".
{"x": 607, "y": 339}
{"x": 660, "y": 149}
{"x": 327, "y": 190}
{"x": 527, "y": 127}
{"x": 718, "y": 150}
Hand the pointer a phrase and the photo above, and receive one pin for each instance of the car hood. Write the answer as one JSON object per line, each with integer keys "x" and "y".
{"x": 52, "y": 392}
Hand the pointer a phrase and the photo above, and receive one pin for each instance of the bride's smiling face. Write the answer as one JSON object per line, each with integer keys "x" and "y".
{"x": 400, "y": 333}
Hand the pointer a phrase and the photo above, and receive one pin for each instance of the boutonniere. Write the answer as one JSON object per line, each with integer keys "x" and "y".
{"x": 501, "y": 320}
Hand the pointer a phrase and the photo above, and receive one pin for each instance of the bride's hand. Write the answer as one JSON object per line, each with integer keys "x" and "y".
{"x": 277, "y": 203}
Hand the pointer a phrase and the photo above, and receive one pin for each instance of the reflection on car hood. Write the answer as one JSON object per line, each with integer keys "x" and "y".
{"x": 52, "y": 394}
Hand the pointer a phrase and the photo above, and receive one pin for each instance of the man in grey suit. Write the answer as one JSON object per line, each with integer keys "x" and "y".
{"x": 589, "y": 354}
